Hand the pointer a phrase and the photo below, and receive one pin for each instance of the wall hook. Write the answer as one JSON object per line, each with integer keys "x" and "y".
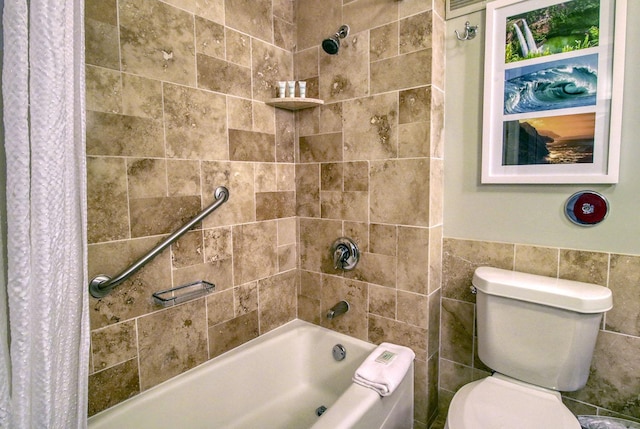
{"x": 470, "y": 32}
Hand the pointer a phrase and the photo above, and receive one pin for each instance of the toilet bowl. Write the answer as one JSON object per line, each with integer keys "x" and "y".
{"x": 499, "y": 402}
{"x": 538, "y": 334}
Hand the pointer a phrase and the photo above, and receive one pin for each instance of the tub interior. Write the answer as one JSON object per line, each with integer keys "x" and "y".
{"x": 276, "y": 381}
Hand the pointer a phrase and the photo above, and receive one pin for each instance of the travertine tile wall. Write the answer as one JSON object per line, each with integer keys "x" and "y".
{"x": 614, "y": 380}
{"x": 369, "y": 166}
{"x": 175, "y": 99}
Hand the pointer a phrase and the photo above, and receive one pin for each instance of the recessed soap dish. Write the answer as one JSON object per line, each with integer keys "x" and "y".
{"x": 180, "y": 294}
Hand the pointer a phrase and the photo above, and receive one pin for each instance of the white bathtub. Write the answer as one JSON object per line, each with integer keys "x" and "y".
{"x": 276, "y": 381}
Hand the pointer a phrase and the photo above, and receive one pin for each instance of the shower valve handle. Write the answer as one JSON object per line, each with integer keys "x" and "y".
{"x": 345, "y": 254}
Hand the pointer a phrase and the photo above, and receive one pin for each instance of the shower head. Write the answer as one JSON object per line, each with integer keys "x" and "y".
{"x": 331, "y": 45}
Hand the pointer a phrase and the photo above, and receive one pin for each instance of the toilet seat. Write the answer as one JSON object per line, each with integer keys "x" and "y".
{"x": 498, "y": 402}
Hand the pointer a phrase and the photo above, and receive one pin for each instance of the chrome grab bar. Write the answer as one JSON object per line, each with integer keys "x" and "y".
{"x": 102, "y": 285}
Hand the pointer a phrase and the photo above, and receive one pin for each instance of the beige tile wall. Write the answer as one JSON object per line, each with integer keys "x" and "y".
{"x": 613, "y": 384}
{"x": 175, "y": 96}
{"x": 175, "y": 93}
{"x": 369, "y": 166}
{"x": 175, "y": 100}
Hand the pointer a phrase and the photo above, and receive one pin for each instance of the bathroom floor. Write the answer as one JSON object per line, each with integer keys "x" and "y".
{"x": 439, "y": 422}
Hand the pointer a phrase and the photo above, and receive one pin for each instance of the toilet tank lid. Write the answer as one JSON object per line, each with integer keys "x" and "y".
{"x": 567, "y": 294}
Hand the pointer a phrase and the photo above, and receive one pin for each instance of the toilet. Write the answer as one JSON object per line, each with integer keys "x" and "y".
{"x": 538, "y": 335}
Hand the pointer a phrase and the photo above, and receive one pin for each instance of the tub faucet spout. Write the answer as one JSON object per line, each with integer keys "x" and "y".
{"x": 338, "y": 309}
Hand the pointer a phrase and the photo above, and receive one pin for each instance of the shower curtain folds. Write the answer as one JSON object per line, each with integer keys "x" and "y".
{"x": 44, "y": 367}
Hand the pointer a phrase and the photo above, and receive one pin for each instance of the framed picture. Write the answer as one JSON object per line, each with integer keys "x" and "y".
{"x": 554, "y": 71}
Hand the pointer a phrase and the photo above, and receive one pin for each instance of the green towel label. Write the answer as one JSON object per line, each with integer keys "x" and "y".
{"x": 386, "y": 357}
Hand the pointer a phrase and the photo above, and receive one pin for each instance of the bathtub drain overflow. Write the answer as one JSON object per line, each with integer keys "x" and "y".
{"x": 339, "y": 352}
{"x": 320, "y": 410}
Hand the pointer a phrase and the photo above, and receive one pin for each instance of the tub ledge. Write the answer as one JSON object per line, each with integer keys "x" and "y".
{"x": 362, "y": 408}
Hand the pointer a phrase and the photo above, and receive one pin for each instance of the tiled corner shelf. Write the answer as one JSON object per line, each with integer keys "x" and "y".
{"x": 294, "y": 103}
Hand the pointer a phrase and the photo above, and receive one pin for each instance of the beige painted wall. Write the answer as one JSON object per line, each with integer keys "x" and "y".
{"x": 523, "y": 227}
{"x": 530, "y": 214}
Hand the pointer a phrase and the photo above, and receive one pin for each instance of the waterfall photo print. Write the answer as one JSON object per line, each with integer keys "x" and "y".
{"x": 553, "y": 91}
{"x": 564, "y": 27}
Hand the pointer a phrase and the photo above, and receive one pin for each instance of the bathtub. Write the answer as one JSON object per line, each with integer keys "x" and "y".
{"x": 275, "y": 381}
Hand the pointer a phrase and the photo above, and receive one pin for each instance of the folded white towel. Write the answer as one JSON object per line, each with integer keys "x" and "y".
{"x": 384, "y": 369}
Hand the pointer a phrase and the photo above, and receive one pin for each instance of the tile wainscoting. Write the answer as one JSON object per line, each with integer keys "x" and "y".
{"x": 613, "y": 388}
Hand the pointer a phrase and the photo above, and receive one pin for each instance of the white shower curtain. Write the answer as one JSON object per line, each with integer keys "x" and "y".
{"x": 44, "y": 368}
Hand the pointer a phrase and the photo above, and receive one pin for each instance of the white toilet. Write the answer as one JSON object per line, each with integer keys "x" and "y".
{"x": 538, "y": 335}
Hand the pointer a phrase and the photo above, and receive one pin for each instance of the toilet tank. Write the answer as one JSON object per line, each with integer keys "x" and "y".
{"x": 537, "y": 329}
